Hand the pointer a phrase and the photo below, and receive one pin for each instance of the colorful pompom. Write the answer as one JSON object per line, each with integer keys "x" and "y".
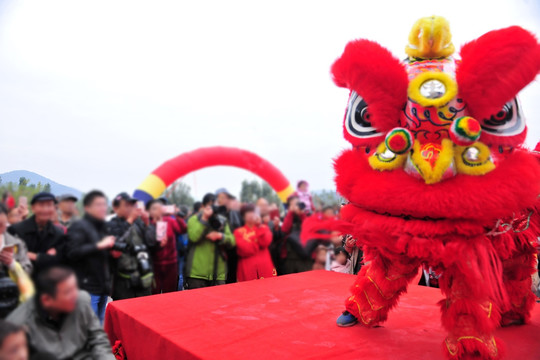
{"x": 399, "y": 140}
{"x": 465, "y": 131}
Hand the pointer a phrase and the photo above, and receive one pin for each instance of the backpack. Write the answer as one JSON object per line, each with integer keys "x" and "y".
{"x": 9, "y": 294}
{"x": 128, "y": 263}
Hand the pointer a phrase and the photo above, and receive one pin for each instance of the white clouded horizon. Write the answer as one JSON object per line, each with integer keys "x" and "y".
{"x": 98, "y": 94}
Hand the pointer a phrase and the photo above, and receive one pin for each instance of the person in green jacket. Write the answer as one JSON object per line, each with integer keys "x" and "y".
{"x": 209, "y": 236}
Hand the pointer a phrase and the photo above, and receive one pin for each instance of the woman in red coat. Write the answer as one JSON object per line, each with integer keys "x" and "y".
{"x": 252, "y": 241}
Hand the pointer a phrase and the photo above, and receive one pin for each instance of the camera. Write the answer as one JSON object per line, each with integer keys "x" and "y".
{"x": 128, "y": 248}
{"x": 120, "y": 246}
{"x": 302, "y": 206}
{"x": 9, "y": 295}
{"x": 217, "y": 221}
{"x": 140, "y": 251}
{"x": 144, "y": 262}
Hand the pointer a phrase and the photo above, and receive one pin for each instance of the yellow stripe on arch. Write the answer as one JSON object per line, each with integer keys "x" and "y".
{"x": 284, "y": 194}
{"x": 153, "y": 185}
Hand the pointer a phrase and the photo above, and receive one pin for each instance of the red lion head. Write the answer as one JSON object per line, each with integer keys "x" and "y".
{"x": 437, "y": 137}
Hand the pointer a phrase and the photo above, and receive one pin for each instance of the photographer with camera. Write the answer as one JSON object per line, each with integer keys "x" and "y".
{"x": 210, "y": 237}
{"x": 294, "y": 257}
{"x": 131, "y": 266}
{"x": 88, "y": 251}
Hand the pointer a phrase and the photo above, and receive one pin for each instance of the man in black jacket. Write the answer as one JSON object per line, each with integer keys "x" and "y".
{"x": 87, "y": 249}
{"x": 43, "y": 239}
{"x": 132, "y": 269}
{"x": 224, "y": 200}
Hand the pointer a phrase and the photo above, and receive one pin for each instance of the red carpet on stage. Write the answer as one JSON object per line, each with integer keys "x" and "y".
{"x": 289, "y": 317}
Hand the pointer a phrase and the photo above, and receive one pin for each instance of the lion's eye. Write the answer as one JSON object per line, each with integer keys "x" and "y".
{"x": 357, "y": 121}
{"x": 507, "y": 122}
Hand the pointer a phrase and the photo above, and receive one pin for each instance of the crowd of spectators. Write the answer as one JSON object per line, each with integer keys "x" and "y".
{"x": 59, "y": 270}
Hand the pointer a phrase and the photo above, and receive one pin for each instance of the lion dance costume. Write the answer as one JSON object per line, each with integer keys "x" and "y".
{"x": 438, "y": 176}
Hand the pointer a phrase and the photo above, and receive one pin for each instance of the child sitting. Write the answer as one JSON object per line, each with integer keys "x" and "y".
{"x": 342, "y": 263}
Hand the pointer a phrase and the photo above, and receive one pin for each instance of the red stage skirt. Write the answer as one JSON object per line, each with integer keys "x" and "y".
{"x": 288, "y": 317}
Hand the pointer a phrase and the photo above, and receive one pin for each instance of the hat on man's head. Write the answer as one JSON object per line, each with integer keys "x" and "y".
{"x": 67, "y": 197}
{"x": 226, "y": 192}
{"x": 183, "y": 211}
{"x": 43, "y": 196}
{"x": 123, "y": 196}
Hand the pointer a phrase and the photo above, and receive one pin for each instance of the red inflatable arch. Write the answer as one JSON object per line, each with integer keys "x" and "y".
{"x": 171, "y": 170}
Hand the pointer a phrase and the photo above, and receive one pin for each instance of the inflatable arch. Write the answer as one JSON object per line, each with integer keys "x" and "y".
{"x": 156, "y": 183}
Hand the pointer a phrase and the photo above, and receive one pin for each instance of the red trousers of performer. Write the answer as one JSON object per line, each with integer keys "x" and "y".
{"x": 469, "y": 313}
{"x": 165, "y": 278}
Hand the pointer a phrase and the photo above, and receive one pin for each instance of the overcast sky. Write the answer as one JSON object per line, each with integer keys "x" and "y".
{"x": 96, "y": 94}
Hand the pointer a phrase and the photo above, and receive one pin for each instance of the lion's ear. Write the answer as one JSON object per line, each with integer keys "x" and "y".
{"x": 373, "y": 74}
{"x": 495, "y": 67}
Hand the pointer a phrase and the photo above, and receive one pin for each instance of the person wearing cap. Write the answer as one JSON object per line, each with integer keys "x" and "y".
{"x": 67, "y": 210}
{"x": 225, "y": 201}
{"x": 43, "y": 239}
{"x": 129, "y": 226}
{"x": 252, "y": 242}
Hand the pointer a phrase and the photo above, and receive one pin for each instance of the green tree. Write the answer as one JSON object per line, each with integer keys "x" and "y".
{"x": 23, "y": 181}
{"x": 179, "y": 193}
{"x": 326, "y": 198}
{"x": 253, "y": 190}
{"x": 24, "y": 188}
{"x": 250, "y": 191}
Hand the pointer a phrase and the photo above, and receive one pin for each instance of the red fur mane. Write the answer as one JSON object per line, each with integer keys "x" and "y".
{"x": 375, "y": 74}
{"x": 511, "y": 187}
{"x": 494, "y": 68}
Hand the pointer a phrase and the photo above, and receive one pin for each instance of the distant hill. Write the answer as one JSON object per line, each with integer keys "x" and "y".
{"x": 56, "y": 188}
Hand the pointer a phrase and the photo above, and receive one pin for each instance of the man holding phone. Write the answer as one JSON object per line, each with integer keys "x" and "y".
{"x": 15, "y": 268}
{"x": 163, "y": 231}
{"x": 12, "y": 249}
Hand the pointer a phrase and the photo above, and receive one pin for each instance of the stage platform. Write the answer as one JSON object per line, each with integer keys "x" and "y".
{"x": 289, "y": 317}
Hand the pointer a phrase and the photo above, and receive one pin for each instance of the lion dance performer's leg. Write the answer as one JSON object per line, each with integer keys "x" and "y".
{"x": 517, "y": 276}
{"x": 518, "y": 250}
{"x": 379, "y": 285}
{"x": 472, "y": 283}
